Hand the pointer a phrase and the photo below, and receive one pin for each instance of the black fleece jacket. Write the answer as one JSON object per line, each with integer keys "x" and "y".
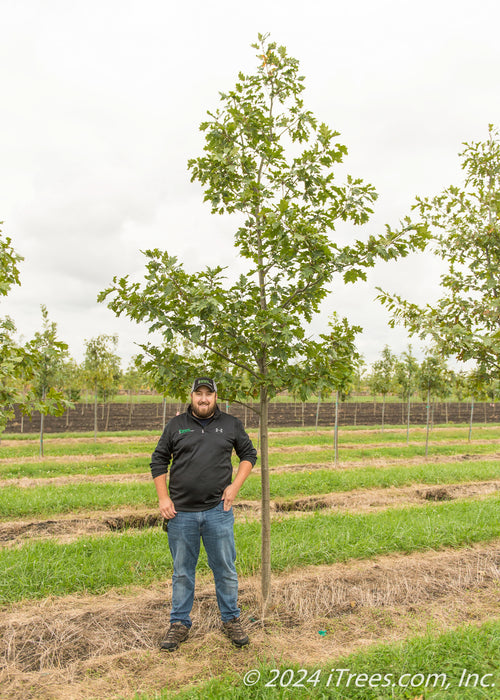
{"x": 201, "y": 458}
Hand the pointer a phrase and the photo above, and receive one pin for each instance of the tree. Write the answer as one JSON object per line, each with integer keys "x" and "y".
{"x": 9, "y": 261}
{"x": 405, "y": 375}
{"x": 71, "y": 383}
{"x": 430, "y": 382}
{"x": 465, "y": 321}
{"x": 133, "y": 380}
{"x": 101, "y": 367}
{"x": 45, "y": 357}
{"x": 342, "y": 363}
{"x": 476, "y": 387}
{"x": 11, "y": 354}
{"x": 382, "y": 376}
{"x": 270, "y": 164}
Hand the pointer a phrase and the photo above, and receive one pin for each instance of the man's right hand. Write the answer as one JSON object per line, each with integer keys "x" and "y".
{"x": 167, "y": 508}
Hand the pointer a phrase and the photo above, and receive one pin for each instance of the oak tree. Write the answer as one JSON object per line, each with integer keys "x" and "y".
{"x": 271, "y": 165}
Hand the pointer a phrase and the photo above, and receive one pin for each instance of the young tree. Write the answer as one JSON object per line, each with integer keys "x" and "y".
{"x": 11, "y": 355}
{"x": 102, "y": 367}
{"x": 430, "y": 382}
{"x": 268, "y": 162}
{"x": 465, "y": 225}
{"x": 46, "y": 356}
{"x": 133, "y": 380}
{"x": 477, "y": 383}
{"x": 382, "y": 376}
{"x": 71, "y": 383}
{"x": 405, "y": 375}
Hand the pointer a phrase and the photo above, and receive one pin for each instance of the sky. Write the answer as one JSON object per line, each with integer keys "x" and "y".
{"x": 101, "y": 103}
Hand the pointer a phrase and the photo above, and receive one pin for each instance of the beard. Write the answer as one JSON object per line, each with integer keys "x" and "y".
{"x": 204, "y": 411}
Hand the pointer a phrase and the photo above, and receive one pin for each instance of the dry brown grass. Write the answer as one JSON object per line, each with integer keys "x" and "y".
{"x": 106, "y": 646}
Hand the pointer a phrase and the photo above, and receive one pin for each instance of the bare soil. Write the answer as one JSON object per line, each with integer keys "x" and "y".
{"x": 105, "y": 647}
{"x": 67, "y": 528}
{"x": 28, "y": 482}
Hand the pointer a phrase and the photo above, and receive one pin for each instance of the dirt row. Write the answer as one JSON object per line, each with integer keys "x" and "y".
{"x": 104, "y": 647}
{"x": 69, "y": 528}
{"x": 281, "y": 449}
{"x": 343, "y": 432}
{"x": 28, "y": 482}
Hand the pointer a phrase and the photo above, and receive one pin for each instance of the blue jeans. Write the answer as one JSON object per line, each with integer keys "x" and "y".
{"x": 215, "y": 528}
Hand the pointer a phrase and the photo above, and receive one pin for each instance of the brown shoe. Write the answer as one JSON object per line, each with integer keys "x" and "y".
{"x": 176, "y": 634}
{"x": 235, "y": 632}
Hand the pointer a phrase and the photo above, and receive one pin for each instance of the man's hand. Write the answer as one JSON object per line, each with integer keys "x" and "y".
{"x": 230, "y": 493}
{"x": 167, "y": 508}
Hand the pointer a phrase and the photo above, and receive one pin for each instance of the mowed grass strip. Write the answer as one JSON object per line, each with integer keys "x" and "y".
{"x": 54, "y": 448}
{"x": 47, "y": 468}
{"x": 325, "y": 481}
{"x": 357, "y": 454}
{"x": 49, "y": 499}
{"x": 134, "y": 464}
{"x": 383, "y": 437}
{"x": 460, "y": 663}
{"x": 93, "y": 565}
{"x": 83, "y": 445}
{"x": 48, "y": 437}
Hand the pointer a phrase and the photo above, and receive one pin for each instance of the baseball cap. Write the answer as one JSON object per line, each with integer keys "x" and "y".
{"x": 204, "y": 381}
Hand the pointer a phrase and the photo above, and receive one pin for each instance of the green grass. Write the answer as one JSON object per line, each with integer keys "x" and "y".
{"x": 53, "y": 449}
{"x": 48, "y": 469}
{"x": 92, "y": 565}
{"x": 276, "y": 459}
{"x": 328, "y": 481}
{"x": 387, "y": 436}
{"x": 440, "y": 667}
{"x": 48, "y": 499}
{"x": 76, "y": 435}
{"x": 280, "y": 459}
{"x": 71, "y": 498}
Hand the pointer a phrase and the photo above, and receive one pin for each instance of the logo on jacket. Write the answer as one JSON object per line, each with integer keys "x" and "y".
{"x": 219, "y": 430}
{"x": 185, "y": 430}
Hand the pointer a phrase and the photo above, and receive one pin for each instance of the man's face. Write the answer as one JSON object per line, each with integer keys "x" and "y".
{"x": 203, "y": 402}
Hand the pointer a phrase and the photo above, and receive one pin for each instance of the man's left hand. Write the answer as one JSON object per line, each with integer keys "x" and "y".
{"x": 230, "y": 493}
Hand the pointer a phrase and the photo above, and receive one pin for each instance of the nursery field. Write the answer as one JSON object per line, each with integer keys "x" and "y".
{"x": 386, "y": 571}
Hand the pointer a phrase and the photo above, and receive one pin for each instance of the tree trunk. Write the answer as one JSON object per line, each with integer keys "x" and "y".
{"x": 95, "y": 415}
{"x": 130, "y": 407}
{"x": 266, "y": 502}
{"x": 164, "y": 412}
{"x": 107, "y": 417}
{"x": 471, "y": 419}
{"x": 336, "y": 429}
{"x": 42, "y": 416}
{"x": 428, "y": 423}
{"x": 383, "y": 411}
{"x": 408, "y": 420}
{"x": 317, "y": 410}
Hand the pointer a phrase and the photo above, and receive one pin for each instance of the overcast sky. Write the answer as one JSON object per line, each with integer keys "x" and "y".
{"x": 100, "y": 107}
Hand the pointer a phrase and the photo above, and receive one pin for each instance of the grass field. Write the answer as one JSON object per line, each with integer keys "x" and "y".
{"x": 386, "y": 564}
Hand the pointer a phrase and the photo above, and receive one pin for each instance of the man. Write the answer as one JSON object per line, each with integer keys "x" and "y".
{"x": 198, "y": 504}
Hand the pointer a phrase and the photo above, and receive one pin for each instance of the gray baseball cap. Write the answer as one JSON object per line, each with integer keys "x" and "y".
{"x": 204, "y": 381}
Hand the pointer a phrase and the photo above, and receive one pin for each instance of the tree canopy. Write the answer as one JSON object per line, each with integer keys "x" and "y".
{"x": 465, "y": 226}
